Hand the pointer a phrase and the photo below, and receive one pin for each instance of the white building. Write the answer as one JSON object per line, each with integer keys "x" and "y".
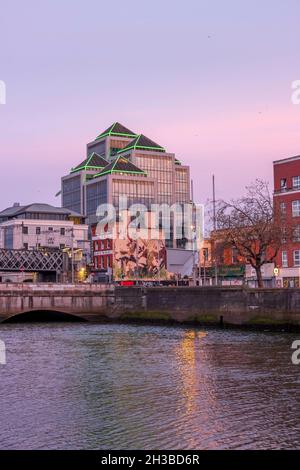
{"x": 44, "y": 227}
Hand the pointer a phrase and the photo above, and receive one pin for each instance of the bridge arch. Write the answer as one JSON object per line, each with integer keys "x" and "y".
{"x": 43, "y": 316}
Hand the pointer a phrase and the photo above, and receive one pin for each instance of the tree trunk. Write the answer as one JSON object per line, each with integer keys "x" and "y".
{"x": 260, "y": 281}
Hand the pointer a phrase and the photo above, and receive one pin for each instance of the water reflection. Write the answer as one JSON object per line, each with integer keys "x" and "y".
{"x": 149, "y": 387}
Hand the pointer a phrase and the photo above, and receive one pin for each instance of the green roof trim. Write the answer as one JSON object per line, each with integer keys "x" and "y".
{"x": 117, "y": 129}
{"x": 119, "y": 171}
{"x": 141, "y": 142}
{"x": 121, "y": 165}
{"x": 93, "y": 162}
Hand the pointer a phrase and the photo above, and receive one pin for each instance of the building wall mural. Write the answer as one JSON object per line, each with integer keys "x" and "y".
{"x": 139, "y": 258}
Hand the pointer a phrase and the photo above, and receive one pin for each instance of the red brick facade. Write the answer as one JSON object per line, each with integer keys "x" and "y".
{"x": 286, "y": 197}
{"x": 102, "y": 252}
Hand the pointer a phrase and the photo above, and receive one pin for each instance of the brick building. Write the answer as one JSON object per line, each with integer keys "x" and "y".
{"x": 287, "y": 202}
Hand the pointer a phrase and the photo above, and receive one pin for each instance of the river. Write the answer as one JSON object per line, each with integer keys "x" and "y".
{"x": 117, "y": 386}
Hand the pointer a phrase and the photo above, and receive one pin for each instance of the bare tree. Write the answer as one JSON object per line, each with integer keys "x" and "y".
{"x": 252, "y": 226}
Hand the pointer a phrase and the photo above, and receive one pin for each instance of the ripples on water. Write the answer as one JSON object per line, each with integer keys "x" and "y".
{"x": 70, "y": 386}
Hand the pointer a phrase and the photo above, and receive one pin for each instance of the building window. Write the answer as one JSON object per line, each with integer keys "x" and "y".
{"x": 205, "y": 254}
{"x": 283, "y": 208}
{"x": 25, "y": 246}
{"x": 283, "y": 184}
{"x": 297, "y": 258}
{"x": 296, "y": 234}
{"x": 62, "y": 231}
{"x": 284, "y": 235}
{"x": 284, "y": 259}
{"x": 50, "y": 229}
{"x": 235, "y": 256}
{"x": 25, "y": 230}
{"x": 38, "y": 230}
{"x": 296, "y": 208}
{"x": 62, "y": 246}
{"x": 296, "y": 182}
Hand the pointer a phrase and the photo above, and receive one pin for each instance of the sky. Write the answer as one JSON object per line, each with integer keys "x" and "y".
{"x": 207, "y": 79}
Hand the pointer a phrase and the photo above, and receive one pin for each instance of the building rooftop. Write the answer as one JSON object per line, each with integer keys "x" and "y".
{"x": 142, "y": 142}
{"x": 117, "y": 129}
{"x": 121, "y": 165}
{"x": 93, "y": 162}
{"x": 40, "y": 208}
{"x": 286, "y": 160}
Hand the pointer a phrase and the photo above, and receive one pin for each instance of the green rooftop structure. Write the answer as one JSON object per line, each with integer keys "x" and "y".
{"x": 121, "y": 165}
{"x": 141, "y": 142}
{"x": 116, "y": 129}
{"x": 93, "y": 162}
{"x": 120, "y": 162}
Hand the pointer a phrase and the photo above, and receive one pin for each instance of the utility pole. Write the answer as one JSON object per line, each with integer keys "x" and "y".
{"x": 215, "y": 225}
{"x": 193, "y": 235}
{"x": 72, "y": 255}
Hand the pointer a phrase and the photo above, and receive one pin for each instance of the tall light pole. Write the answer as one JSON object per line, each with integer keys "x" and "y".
{"x": 72, "y": 255}
{"x": 194, "y": 253}
{"x": 215, "y": 225}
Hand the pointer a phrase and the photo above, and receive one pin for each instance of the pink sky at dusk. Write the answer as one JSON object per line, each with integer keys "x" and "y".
{"x": 208, "y": 80}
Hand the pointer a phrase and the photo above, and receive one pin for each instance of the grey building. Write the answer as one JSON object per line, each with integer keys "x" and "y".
{"x": 121, "y": 162}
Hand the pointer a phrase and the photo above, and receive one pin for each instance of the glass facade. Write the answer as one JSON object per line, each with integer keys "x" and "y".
{"x": 8, "y": 238}
{"x": 181, "y": 185}
{"x": 41, "y": 216}
{"x": 160, "y": 167}
{"x": 97, "y": 147}
{"x": 137, "y": 191}
{"x": 71, "y": 193}
{"x": 96, "y": 194}
{"x": 116, "y": 145}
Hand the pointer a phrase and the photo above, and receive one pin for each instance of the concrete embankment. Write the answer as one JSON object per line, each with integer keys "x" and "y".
{"x": 226, "y": 306}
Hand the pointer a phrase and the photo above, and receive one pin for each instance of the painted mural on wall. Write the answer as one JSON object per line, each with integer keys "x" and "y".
{"x": 140, "y": 258}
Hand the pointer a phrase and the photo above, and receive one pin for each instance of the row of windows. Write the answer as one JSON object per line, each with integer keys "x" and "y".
{"x": 295, "y": 208}
{"x": 153, "y": 163}
{"x": 71, "y": 184}
{"x": 96, "y": 194}
{"x": 117, "y": 144}
{"x": 41, "y": 216}
{"x": 295, "y": 183}
{"x": 103, "y": 245}
{"x": 71, "y": 194}
{"x": 161, "y": 175}
{"x": 181, "y": 186}
{"x": 38, "y": 245}
{"x": 144, "y": 189}
{"x": 38, "y": 230}
{"x": 146, "y": 201}
{"x": 181, "y": 175}
{"x": 296, "y": 258}
{"x": 103, "y": 262}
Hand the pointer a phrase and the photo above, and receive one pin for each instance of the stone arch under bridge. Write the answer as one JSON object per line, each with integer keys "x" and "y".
{"x": 42, "y": 316}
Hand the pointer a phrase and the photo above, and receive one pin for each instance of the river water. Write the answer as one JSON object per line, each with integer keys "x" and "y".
{"x": 111, "y": 386}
